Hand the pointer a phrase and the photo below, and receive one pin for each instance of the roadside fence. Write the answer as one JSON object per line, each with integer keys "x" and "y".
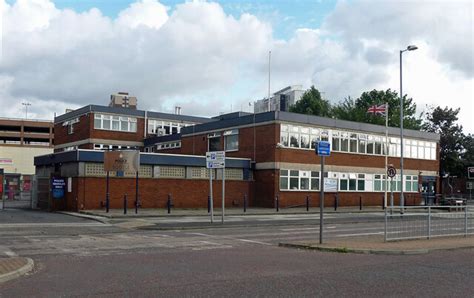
{"x": 428, "y": 222}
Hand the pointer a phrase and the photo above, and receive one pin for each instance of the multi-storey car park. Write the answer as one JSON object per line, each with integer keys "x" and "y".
{"x": 268, "y": 154}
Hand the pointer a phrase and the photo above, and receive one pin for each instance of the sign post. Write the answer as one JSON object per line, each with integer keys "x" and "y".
{"x": 391, "y": 172}
{"x": 323, "y": 149}
{"x": 216, "y": 160}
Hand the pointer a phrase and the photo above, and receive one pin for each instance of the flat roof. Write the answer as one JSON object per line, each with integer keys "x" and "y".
{"x": 301, "y": 119}
{"x": 83, "y": 155}
{"x": 129, "y": 112}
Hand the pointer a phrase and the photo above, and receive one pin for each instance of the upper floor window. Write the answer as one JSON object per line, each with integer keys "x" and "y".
{"x": 231, "y": 140}
{"x": 214, "y": 141}
{"x": 117, "y": 123}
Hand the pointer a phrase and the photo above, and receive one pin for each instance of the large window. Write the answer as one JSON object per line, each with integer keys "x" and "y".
{"x": 214, "y": 141}
{"x": 231, "y": 139}
{"x": 164, "y": 127}
{"x": 117, "y": 123}
{"x": 302, "y": 137}
{"x": 299, "y": 180}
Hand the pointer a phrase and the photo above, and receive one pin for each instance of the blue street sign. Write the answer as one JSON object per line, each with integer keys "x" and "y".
{"x": 323, "y": 148}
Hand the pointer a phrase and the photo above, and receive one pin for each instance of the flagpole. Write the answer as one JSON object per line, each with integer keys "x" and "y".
{"x": 386, "y": 154}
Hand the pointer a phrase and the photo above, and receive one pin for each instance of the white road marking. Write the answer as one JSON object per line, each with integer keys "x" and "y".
{"x": 46, "y": 225}
{"x": 199, "y": 234}
{"x": 253, "y": 241}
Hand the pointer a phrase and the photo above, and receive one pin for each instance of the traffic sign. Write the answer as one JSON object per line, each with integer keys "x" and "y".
{"x": 469, "y": 185}
{"x": 391, "y": 171}
{"x": 215, "y": 160}
{"x": 323, "y": 148}
{"x": 470, "y": 172}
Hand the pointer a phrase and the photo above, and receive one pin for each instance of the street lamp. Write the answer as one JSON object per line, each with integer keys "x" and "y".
{"x": 402, "y": 199}
{"x": 26, "y": 104}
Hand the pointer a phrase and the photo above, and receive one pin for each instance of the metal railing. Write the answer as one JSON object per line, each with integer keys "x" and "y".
{"x": 428, "y": 222}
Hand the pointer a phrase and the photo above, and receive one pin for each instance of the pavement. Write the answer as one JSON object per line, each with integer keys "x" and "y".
{"x": 376, "y": 245}
{"x": 161, "y": 212}
{"x": 13, "y": 267}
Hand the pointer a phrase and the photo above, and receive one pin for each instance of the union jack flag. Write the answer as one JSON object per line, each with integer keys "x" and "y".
{"x": 378, "y": 110}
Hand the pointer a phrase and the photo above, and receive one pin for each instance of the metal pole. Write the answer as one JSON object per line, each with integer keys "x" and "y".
{"x": 107, "y": 194}
{"x": 429, "y": 222}
{"x": 465, "y": 220}
{"x": 245, "y": 203}
{"x": 136, "y": 194}
{"x": 223, "y": 194}
{"x": 386, "y": 153}
{"x": 210, "y": 194}
{"x": 125, "y": 204}
{"x": 391, "y": 195}
{"x": 385, "y": 226}
{"x": 402, "y": 201}
{"x": 321, "y": 203}
{"x": 269, "y": 61}
{"x": 307, "y": 203}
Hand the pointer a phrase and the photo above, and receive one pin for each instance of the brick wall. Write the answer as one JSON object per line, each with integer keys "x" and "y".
{"x": 153, "y": 193}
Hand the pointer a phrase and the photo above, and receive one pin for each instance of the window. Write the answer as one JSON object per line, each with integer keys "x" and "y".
{"x": 314, "y": 180}
{"x": 284, "y": 135}
{"x": 353, "y": 143}
{"x": 411, "y": 183}
{"x": 315, "y": 137}
{"x": 283, "y": 179}
{"x": 294, "y": 177}
{"x": 335, "y": 141}
{"x": 304, "y": 137}
{"x": 360, "y": 182}
{"x": 370, "y": 145}
{"x": 231, "y": 139}
{"x": 344, "y": 142}
{"x": 117, "y": 123}
{"x": 304, "y": 179}
{"x": 214, "y": 141}
{"x": 362, "y": 143}
{"x": 70, "y": 129}
{"x": 294, "y": 137}
{"x": 378, "y": 145}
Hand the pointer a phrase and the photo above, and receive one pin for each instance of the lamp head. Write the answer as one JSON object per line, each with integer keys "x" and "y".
{"x": 412, "y": 48}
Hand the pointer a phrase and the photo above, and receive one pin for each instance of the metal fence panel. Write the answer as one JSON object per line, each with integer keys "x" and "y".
{"x": 428, "y": 222}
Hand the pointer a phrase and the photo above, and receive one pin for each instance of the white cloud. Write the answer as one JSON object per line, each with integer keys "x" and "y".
{"x": 205, "y": 60}
{"x": 149, "y": 13}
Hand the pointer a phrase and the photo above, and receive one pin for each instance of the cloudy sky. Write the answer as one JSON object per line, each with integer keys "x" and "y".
{"x": 212, "y": 57}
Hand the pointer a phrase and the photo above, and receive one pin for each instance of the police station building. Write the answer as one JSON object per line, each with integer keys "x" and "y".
{"x": 268, "y": 155}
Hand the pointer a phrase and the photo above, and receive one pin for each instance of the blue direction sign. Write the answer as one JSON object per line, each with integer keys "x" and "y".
{"x": 323, "y": 148}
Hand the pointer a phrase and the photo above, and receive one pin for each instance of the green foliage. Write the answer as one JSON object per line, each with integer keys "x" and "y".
{"x": 452, "y": 140}
{"x": 311, "y": 103}
{"x": 356, "y": 110}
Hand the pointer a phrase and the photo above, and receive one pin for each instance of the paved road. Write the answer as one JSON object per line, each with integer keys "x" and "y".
{"x": 94, "y": 259}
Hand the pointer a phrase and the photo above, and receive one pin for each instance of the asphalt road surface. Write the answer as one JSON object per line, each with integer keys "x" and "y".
{"x": 88, "y": 258}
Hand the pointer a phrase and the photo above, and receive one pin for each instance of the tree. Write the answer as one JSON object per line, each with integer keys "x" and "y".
{"x": 467, "y": 156}
{"x": 311, "y": 103}
{"x": 443, "y": 122}
{"x": 356, "y": 110}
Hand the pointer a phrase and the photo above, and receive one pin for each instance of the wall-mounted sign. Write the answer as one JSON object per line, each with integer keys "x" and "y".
{"x": 125, "y": 161}
{"x": 330, "y": 185}
{"x": 6, "y": 161}
{"x": 58, "y": 187}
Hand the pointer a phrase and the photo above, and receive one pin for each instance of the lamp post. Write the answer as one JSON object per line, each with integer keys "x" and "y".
{"x": 402, "y": 199}
{"x": 26, "y": 104}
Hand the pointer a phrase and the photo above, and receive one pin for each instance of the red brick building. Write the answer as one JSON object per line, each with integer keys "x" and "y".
{"x": 279, "y": 153}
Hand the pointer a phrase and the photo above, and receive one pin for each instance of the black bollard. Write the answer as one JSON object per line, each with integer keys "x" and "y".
{"x": 137, "y": 203}
{"x": 208, "y": 204}
{"x": 107, "y": 202}
{"x": 245, "y": 203}
{"x": 169, "y": 203}
{"x": 360, "y": 202}
{"x": 383, "y": 202}
{"x": 277, "y": 203}
{"x": 307, "y": 203}
{"x": 336, "y": 203}
{"x": 125, "y": 204}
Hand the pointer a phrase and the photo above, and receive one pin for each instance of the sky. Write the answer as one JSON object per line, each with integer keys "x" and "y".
{"x": 212, "y": 57}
